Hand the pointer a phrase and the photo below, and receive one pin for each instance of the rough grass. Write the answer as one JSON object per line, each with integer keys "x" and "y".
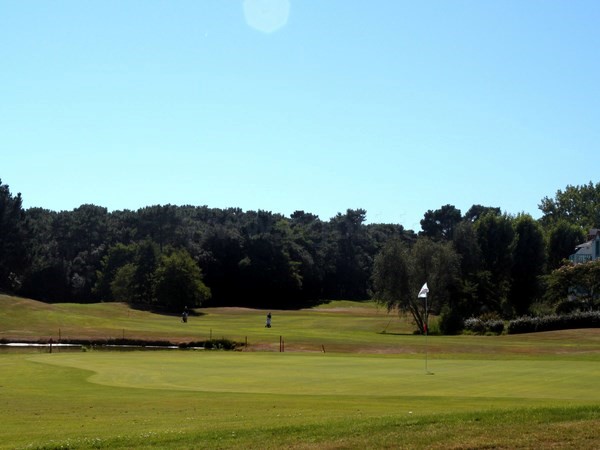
{"x": 369, "y": 390}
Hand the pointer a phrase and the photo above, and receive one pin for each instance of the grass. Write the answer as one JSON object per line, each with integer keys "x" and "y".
{"x": 368, "y": 390}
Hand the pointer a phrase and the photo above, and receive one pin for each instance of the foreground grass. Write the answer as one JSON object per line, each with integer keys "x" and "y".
{"x": 257, "y": 400}
{"x": 368, "y": 390}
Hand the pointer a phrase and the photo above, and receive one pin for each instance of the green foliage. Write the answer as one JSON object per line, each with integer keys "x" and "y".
{"x": 116, "y": 258}
{"x": 451, "y": 321}
{"x": 178, "y": 282}
{"x": 13, "y": 254}
{"x": 400, "y": 271}
{"x": 440, "y": 224}
{"x": 260, "y": 258}
{"x": 577, "y": 205}
{"x": 529, "y": 259}
{"x": 563, "y": 237}
{"x": 122, "y": 286}
{"x": 392, "y": 276}
{"x": 527, "y": 324}
{"x": 219, "y": 344}
{"x": 495, "y": 235}
{"x": 577, "y": 284}
{"x": 484, "y": 325}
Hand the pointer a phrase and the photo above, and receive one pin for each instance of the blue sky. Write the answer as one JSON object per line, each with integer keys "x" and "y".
{"x": 393, "y": 106}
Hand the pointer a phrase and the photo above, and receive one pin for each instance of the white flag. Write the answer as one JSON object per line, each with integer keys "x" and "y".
{"x": 423, "y": 292}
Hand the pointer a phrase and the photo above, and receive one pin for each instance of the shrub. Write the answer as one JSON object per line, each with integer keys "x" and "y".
{"x": 220, "y": 344}
{"x": 475, "y": 325}
{"x": 450, "y": 322}
{"x": 482, "y": 325}
{"x": 495, "y": 326}
{"x": 527, "y": 324}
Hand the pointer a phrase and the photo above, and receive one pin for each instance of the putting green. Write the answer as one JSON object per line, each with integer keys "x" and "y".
{"x": 338, "y": 374}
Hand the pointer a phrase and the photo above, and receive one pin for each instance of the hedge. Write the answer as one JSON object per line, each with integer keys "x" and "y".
{"x": 527, "y": 324}
{"x": 482, "y": 326}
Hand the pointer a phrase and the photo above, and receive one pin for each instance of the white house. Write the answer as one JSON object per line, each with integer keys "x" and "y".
{"x": 588, "y": 251}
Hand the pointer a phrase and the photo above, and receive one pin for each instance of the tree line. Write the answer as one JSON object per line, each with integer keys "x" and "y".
{"x": 166, "y": 257}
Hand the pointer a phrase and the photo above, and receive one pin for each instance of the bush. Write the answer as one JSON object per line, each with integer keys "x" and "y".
{"x": 482, "y": 325}
{"x": 451, "y": 322}
{"x": 220, "y": 344}
{"x": 527, "y": 324}
{"x": 475, "y": 325}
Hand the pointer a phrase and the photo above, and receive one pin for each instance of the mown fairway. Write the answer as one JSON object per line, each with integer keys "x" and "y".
{"x": 368, "y": 390}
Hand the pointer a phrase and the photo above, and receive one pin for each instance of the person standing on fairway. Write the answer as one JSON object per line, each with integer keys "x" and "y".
{"x": 268, "y": 324}
{"x": 184, "y": 316}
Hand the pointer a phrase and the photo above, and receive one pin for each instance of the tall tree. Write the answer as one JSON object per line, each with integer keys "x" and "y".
{"x": 477, "y": 211}
{"x": 529, "y": 260}
{"x": 220, "y": 262}
{"x": 467, "y": 246}
{"x": 399, "y": 272}
{"x": 13, "y": 256}
{"x": 352, "y": 253}
{"x": 563, "y": 237}
{"x": 495, "y": 235}
{"x": 439, "y": 224}
{"x": 578, "y": 205}
{"x": 117, "y": 257}
{"x": 46, "y": 277}
{"x": 438, "y": 264}
{"x": 574, "y": 286}
{"x": 393, "y": 284}
{"x": 146, "y": 262}
{"x": 160, "y": 224}
{"x": 178, "y": 282}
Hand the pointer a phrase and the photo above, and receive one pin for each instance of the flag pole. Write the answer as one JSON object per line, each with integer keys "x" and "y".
{"x": 423, "y": 294}
{"x": 426, "y": 336}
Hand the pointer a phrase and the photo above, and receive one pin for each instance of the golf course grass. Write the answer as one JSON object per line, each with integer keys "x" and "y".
{"x": 351, "y": 376}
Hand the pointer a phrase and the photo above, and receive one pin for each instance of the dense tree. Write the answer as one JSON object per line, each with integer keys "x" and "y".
{"x": 117, "y": 257}
{"x": 439, "y": 224}
{"x": 146, "y": 262}
{"x": 529, "y": 259}
{"x": 563, "y": 237}
{"x": 466, "y": 245}
{"x": 475, "y": 212}
{"x": 495, "y": 236}
{"x": 127, "y": 273}
{"x": 393, "y": 284}
{"x": 178, "y": 282}
{"x": 122, "y": 286}
{"x": 307, "y": 251}
{"x": 578, "y": 205}
{"x": 13, "y": 255}
{"x": 438, "y": 264}
{"x": 574, "y": 286}
{"x": 223, "y": 249}
{"x": 263, "y": 259}
{"x": 46, "y": 277}
{"x": 399, "y": 272}
{"x": 159, "y": 224}
{"x": 351, "y": 255}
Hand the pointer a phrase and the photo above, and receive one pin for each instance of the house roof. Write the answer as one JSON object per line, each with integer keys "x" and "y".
{"x": 585, "y": 248}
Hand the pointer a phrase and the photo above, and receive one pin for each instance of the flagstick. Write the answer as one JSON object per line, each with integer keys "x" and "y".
{"x": 423, "y": 294}
{"x": 426, "y": 337}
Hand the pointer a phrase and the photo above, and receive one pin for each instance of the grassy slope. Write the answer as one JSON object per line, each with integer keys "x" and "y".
{"x": 370, "y": 393}
{"x": 337, "y": 327}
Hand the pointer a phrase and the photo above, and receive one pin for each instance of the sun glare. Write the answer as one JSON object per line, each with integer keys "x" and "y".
{"x": 266, "y": 15}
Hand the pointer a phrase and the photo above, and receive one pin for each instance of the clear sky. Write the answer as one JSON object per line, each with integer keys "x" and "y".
{"x": 393, "y": 106}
